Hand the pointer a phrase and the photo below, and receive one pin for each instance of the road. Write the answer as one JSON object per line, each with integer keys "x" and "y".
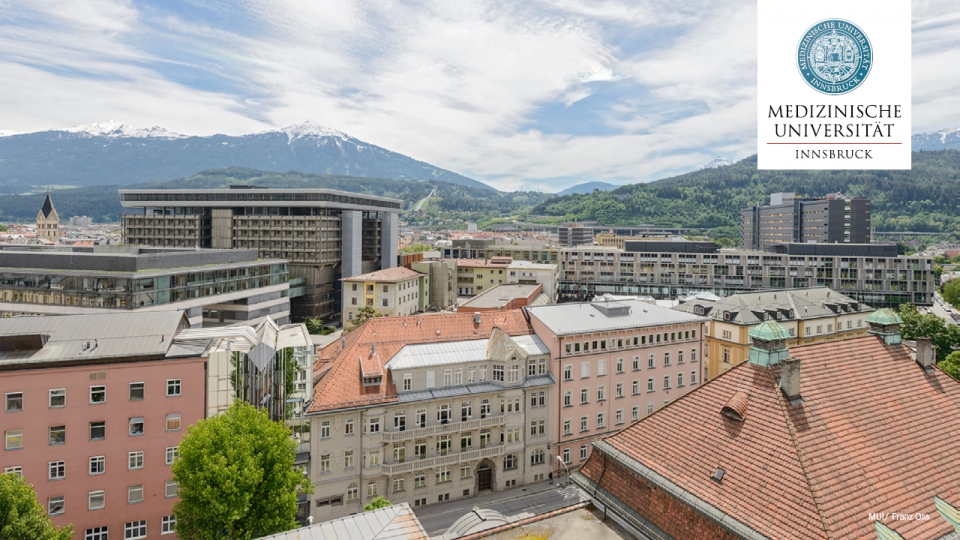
{"x": 940, "y": 308}
{"x": 515, "y": 504}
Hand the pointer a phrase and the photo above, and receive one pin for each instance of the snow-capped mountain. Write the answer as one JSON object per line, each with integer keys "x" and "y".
{"x": 116, "y": 153}
{"x": 716, "y": 163}
{"x": 937, "y": 140}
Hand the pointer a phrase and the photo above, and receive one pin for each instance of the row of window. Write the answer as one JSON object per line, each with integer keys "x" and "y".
{"x": 132, "y": 530}
{"x": 474, "y": 374}
{"x": 57, "y": 397}
{"x": 57, "y": 435}
{"x": 57, "y": 470}
{"x": 620, "y": 365}
{"x": 620, "y": 388}
{"x": 584, "y": 452}
{"x": 602, "y": 419}
{"x": 635, "y": 341}
{"x": 97, "y": 500}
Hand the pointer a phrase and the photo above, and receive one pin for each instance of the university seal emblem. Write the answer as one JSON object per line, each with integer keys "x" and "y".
{"x": 834, "y": 56}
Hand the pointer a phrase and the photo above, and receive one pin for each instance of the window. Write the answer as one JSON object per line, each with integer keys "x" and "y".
{"x": 568, "y": 372}
{"x": 97, "y": 464}
{"x": 566, "y": 455}
{"x": 353, "y": 493}
{"x": 135, "y": 529}
{"x": 635, "y": 414}
{"x": 56, "y": 470}
{"x": 830, "y": 327}
{"x": 471, "y": 375}
{"x": 619, "y": 365}
{"x": 58, "y": 397}
{"x": 443, "y": 413}
{"x": 693, "y": 355}
{"x": 537, "y": 457}
{"x": 443, "y": 475}
{"x": 726, "y": 334}
{"x": 448, "y": 377}
{"x": 325, "y": 462}
{"x": 807, "y": 330}
{"x": 98, "y": 431}
{"x": 601, "y": 393}
{"x": 95, "y": 501}
{"x": 348, "y": 459}
{"x": 583, "y": 452}
{"x": 398, "y": 484}
{"x": 419, "y": 480}
{"x": 373, "y": 426}
{"x": 465, "y": 471}
{"x": 386, "y": 288}
{"x": 135, "y": 460}
{"x": 55, "y": 505}
{"x": 584, "y": 423}
{"x": 635, "y": 388}
{"x": 173, "y": 422}
{"x": 601, "y": 368}
{"x": 650, "y": 362}
{"x": 538, "y": 399}
{"x": 619, "y": 388}
{"x": 14, "y": 402}
{"x": 98, "y": 394}
{"x": 819, "y": 328}
{"x": 136, "y": 391}
{"x": 135, "y": 494}
{"x": 373, "y": 459}
{"x": 510, "y": 462}
{"x": 650, "y": 407}
{"x": 666, "y": 358}
{"x": 569, "y": 349}
{"x": 136, "y": 426}
{"x": 483, "y": 373}
{"x": 601, "y": 420}
{"x": 16, "y": 469}
{"x": 173, "y": 387}
{"x": 348, "y": 426}
{"x": 650, "y": 384}
{"x": 514, "y": 374}
{"x": 567, "y": 430}
{"x": 726, "y": 356}
{"x": 584, "y": 395}
{"x": 325, "y": 429}
{"x": 693, "y": 377}
{"x": 566, "y": 398}
{"x": 372, "y": 489}
{"x": 498, "y": 372}
{"x": 666, "y": 382}
{"x": 13, "y": 439}
{"x": 619, "y": 416}
{"x": 466, "y": 410}
{"x": 96, "y": 533}
{"x": 636, "y": 363}
{"x": 679, "y": 357}
{"x": 385, "y": 303}
{"x": 171, "y": 489}
{"x": 168, "y": 524}
{"x": 584, "y": 370}
{"x": 679, "y": 380}
{"x": 58, "y": 435}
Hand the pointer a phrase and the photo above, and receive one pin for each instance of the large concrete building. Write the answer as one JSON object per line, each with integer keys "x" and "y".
{"x": 213, "y": 287}
{"x": 423, "y": 410}
{"x": 870, "y": 273}
{"x": 834, "y": 219}
{"x": 326, "y": 235}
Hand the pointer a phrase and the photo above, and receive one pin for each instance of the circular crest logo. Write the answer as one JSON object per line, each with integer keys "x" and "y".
{"x": 834, "y": 56}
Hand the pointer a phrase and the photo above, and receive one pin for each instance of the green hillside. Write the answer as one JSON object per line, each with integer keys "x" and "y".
{"x": 103, "y": 204}
{"x": 926, "y": 198}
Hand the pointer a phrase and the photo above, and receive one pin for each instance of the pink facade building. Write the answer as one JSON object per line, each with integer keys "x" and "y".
{"x": 614, "y": 363}
{"x": 95, "y": 407}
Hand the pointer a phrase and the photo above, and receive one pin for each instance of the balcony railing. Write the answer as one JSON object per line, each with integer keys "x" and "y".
{"x": 452, "y": 427}
{"x": 451, "y": 458}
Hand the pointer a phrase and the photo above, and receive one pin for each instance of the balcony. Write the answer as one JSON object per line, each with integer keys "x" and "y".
{"x": 451, "y": 458}
{"x": 452, "y": 427}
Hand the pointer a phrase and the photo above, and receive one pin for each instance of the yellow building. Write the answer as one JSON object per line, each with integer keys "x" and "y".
{"x": 48, "y": 222}
{"x": 477, "y": 275}
{"x": 392, "y": 292}
{"x": 809, "y": 316}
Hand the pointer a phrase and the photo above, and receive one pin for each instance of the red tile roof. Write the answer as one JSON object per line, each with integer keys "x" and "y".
{"x": 342, "y": 387}
{"x": 875, "y": 433}
{"x": 397, "y": 273}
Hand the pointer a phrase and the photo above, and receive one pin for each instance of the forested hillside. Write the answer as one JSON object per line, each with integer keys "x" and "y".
{"x": 926, "y": 198}
{"x": 103, "y": 204}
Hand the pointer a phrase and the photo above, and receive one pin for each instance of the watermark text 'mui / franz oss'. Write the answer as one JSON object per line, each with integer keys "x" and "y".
{"x": 898, "y": 516}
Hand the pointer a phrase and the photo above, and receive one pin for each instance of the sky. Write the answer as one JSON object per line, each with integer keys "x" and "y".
{"x": 531, "y": 94}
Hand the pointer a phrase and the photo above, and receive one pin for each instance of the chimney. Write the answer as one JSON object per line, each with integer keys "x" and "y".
{"x": 925, "y": 353}
{"x": 790, "y": 380}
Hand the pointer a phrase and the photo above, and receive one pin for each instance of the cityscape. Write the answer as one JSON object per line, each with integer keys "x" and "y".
{"x": 253, "y": 332}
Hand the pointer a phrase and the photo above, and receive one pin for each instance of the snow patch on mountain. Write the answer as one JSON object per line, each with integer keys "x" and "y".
{"x": 118, "y": 130}
{"x": 310, "y": 129}
{"x": 716, "y": 163}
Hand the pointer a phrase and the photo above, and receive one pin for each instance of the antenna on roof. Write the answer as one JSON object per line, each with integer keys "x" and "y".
{"x": 373, "y": 348}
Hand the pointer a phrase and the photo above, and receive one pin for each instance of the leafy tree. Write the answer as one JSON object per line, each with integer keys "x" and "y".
{"x": 363, "y": 315}
{"x": 22, "y": 517}
{"x": 236, "y": 477}
{"x": 376, "y": 504}
{"x": 944, "y": 337}
{"x": 417, "y": 248}
{"x": 316, "y": 326}
{"x": 951, "y": 366}
{"x": 951, "y": 292}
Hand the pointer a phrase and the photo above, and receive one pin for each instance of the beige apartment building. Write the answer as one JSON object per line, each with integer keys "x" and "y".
{"x": 424, "y": 410}
{"x": 392, "y": 292}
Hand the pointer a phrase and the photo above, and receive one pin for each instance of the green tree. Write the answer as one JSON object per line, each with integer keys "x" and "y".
{"x": 316, "y": 326}
{"x": 417, "y": 248}
{"x": 376, "y": 503}
{"x": 22, "y": 517}
{"x": 945, "y": 338}
{"x": 951, "y": 366}
{"x": 951, "y": 292}
{"x": 363, "y": 315}
{"x": 236, "y": 477}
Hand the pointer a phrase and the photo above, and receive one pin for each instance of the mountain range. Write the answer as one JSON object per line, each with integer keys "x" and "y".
{"x": 118, "y": 154}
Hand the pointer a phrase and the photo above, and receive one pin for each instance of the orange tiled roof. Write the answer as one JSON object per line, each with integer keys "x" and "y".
{"x": 397, "y": 273}
{"x": 875, "y": 433}
{"x": 379, "y": 339}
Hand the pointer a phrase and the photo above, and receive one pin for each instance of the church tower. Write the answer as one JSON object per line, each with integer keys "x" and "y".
{"x": 48, "y": 222}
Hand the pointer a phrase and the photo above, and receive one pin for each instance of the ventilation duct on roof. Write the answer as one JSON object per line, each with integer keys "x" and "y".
{"x": 736, "y": 407}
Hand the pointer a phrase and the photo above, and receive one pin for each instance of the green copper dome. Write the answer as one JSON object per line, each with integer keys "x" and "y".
{"x": 885, "y": 317}
{"x": 769, "y": 331}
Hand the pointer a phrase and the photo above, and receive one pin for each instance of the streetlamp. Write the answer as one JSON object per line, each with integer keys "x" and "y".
{"x": 560, "y": 459}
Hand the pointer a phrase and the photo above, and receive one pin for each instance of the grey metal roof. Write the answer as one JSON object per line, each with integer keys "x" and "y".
{"x": 468, "y": 389}
{"x": 457, "y": 352}
{"x": 589, "y": 317}
{"x": 753, "y": 307}
{"x": 397, "y": 522}
{"x": 93, "y": 336}
{"x": 531, "y": 343}
{"x": 474, "y": 521}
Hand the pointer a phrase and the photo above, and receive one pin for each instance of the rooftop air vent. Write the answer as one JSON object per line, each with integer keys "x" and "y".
{"x": 736, "y": 407}
{"x": 718, "y": 476}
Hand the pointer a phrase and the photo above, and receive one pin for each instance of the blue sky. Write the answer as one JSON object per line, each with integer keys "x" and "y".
{"x": 532, "y": 95}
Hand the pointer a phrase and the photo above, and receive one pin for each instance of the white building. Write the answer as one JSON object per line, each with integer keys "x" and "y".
{"x": 527, "y": 272}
